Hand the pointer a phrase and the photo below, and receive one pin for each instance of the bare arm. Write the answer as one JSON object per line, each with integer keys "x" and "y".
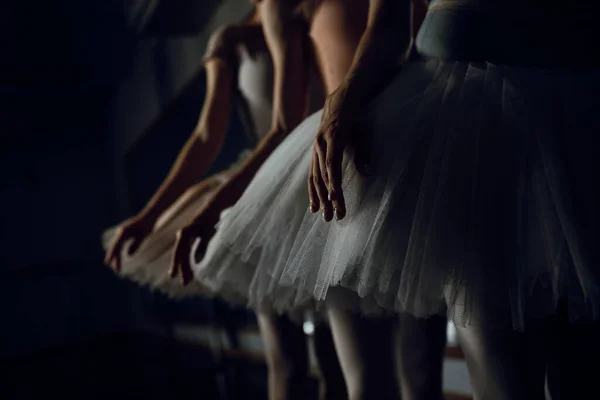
{"x": 205, "y": 143}
{"x": 387, "y": 39}
{"x": 285, "y": 38}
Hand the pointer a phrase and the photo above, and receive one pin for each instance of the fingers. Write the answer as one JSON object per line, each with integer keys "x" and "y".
{"x": 200, "y": 250}
{"x": 333, "y": 163}
{"x": 111, "y": 250}
{"x": 113, "y": 256}
{"x": 180, "y": 266}
{"x": 185, "y": 271}
{"x": 321, "y": 189}
{"x": 321, "y": 152}
{"x": 312, "y": 190}
{"x": 177, "y": 251}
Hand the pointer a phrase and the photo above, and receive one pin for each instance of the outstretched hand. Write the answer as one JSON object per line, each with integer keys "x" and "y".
{"x": 203, "y": 228}
{"x": 337, "y": 130}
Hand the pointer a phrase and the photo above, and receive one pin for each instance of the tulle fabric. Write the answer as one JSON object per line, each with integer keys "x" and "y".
{"x": 481, "y": 205}
{"x": 149, "y": 265}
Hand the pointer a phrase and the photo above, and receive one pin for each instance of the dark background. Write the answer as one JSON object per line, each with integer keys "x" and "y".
{"x": 69, "y": 326}
{"x": 96, "y": 99}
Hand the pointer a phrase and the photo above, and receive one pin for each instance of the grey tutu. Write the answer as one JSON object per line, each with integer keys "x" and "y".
{"x": 481, "y": 205}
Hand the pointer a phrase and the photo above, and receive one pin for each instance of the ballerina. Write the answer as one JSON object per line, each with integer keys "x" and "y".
{"x": 246, "y": 272}
{"x": 475, "y": 202}
{"x": 239, "y": 71}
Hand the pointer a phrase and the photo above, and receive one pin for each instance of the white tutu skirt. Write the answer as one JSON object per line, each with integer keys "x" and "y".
{"x": 149, "y": 265}
{"x": 481, "y": 205}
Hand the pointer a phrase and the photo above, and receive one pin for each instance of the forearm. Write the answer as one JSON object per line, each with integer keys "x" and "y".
{"x": 286, "y": 41}
{"x": 202, "y": 148}
{"x": 386, "y": 42}
{"x": 228, "y": 193}
{"x": 191, "y": 165}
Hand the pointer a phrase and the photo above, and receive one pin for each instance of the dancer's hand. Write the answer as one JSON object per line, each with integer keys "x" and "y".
{"x": 203, "y": 228}
{"x": 337, "y": 130}
{"x": 137, "y": 228}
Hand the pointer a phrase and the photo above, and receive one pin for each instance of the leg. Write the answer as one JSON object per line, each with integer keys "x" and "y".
{"x": 365, "y": 351}
{"x": 504, "y": 364}
{"x": 420, "y": 346}
{"x": 287, "y": 356}
{"x": 333, "y": 386}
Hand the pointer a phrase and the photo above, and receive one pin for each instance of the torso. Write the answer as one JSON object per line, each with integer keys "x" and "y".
{"x": 336, "y": 27}
{"x": 255, "y": 83}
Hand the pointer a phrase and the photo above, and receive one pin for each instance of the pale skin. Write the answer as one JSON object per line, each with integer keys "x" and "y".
{"x": 388, "y": 22}
{"x": 363, "y": 346}
{"x": 503, "y": 364}
{"x": 285, "y": 343}
{"x": 284, "y": 36}
{"x": 497, "y": 368}
{"x": 196, "y": 156}
{"x": 337, "y": 31}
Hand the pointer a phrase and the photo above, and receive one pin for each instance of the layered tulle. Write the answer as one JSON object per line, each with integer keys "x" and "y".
{"x": 481, "y": 205}
{"x": 149, "y": 265}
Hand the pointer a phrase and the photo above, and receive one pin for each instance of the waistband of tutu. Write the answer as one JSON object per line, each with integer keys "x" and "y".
{"x": 548, "y": 38}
